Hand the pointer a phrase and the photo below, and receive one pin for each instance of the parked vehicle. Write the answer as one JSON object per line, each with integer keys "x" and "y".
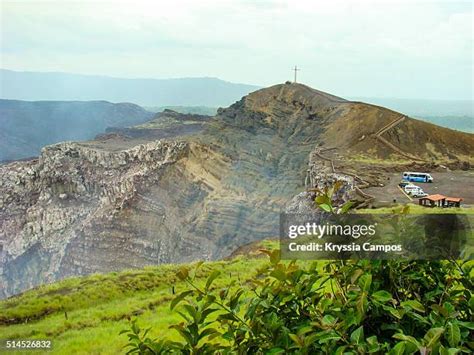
{"x": 414, "y": 191}
{"x": 402, "y": 184}
{"x": 416, "y": 177}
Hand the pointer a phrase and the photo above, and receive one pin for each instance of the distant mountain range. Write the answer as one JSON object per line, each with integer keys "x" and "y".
{"x": 35, "y": 86}
{"x": 424, "y": 107}
{"x": 27, "y": 126}
{"x": 197, "y": 110}
{"x": 459, "y": 123}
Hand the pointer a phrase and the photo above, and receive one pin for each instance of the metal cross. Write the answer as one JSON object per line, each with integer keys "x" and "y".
{"x": 296, "y": 70}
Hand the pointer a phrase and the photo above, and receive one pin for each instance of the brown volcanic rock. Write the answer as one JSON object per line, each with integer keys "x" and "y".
{"x": 159, "y": 193}
{"x": 351, "y": 126}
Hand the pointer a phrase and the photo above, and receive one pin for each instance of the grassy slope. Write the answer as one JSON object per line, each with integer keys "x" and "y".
{"x": 98, "y": 307}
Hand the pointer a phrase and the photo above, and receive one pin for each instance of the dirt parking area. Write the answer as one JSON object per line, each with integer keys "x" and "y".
{"x": 453, "y": 184}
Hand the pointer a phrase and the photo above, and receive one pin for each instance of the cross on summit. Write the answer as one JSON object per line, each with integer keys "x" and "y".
{"x": 296, "y": 69}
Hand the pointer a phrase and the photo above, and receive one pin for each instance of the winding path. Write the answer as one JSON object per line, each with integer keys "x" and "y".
{"x": 378, "y": 136}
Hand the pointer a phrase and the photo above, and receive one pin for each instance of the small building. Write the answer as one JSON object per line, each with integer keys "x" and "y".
{"x": 453, "y": 201}
{"x": 439, "y": 200}
{"x": 436, "y": 200}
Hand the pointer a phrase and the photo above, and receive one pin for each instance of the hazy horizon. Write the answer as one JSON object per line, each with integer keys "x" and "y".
{"x": 404, "y": 49}
{"x": 352, "y": 97}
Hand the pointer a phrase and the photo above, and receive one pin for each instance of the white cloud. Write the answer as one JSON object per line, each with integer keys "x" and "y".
{"x": 383, "y": 48}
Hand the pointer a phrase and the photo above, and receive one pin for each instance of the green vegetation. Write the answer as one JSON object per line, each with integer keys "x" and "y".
{"x": 338, "y": 307}
{"x": 348, "y": 307}
{"x": 366, "y": 159}
{"x": 325, "y": 202}
{"x": 252, "y": 304}
{"x": 85, "y": 315}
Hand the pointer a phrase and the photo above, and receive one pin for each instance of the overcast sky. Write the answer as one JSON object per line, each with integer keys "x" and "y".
{"x": 405, "y": 49}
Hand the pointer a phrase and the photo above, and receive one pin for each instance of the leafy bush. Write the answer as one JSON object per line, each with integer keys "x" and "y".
{"x": 348, "y": 307}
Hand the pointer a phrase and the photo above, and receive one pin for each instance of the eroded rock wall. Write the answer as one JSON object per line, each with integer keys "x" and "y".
{"x": 47, "y": 203}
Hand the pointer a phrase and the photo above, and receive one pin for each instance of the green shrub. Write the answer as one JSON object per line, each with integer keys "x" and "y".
{"x": 350, "y": 307}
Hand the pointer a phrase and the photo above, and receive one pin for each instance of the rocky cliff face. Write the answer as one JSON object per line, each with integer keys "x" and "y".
{"x": 69, "y": 194}
{"x": 158, "y": 193}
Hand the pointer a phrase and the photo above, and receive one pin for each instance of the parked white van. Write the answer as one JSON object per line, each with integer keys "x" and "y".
{"x": 414, "y": 191}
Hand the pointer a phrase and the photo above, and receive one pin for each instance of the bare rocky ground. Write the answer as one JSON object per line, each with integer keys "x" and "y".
{"x": 178, "y": 189}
